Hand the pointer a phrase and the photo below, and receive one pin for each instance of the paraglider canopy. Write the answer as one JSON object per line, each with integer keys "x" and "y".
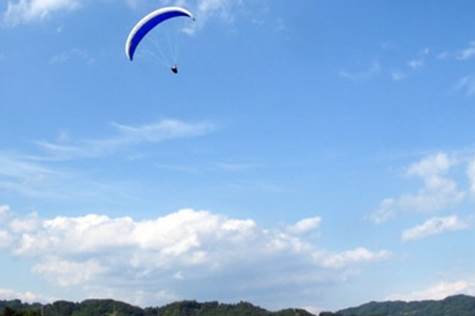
{"x": 148, "y": 23}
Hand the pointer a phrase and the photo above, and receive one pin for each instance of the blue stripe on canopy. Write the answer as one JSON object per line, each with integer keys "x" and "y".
{"x": 148, "y": 23}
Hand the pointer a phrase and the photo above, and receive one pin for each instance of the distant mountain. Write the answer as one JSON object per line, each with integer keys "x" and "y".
{"x": 460, "y": 305}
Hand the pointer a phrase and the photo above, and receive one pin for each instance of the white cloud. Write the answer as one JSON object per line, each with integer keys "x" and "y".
{"x": 67, "y": 273}
{"x": 471, "y": 175}
{"x": 24, "y": 225}
{"x": 467, "y": 53}
{"x": 416, "y": 63}
{"x": 432, "y": 165}
{"x": 126, "y": 136}
{"x": 203, "y": 10}
{"x": 466, "y": 85}
{"x": 443, "y": 55}
{"x": 27, "y": 11}
{"x": 8, "y": 294}
{"x": 398, "y": 75}
{"x": 48, "y": 180}
{"x": 4, "y": 210}
{"x": 96, "y": 253}
{"x": 72, "y": 54}
{"x": 369, "y": 73}
{"x": 305, "y": 225}
{"x": 438, "y": 291}
{"x": 350, "y": 257}
{"x": 5, "y": 239}
{"x": 27, "y": 178}
{"x": 434, "y": 226}
{"x": 24, "y": 11}
{"x": 386, "y": 211}
{"x": 438, "y": 191}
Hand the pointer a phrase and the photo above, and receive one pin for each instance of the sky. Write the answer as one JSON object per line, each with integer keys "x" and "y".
{"x": 314, "y": 154}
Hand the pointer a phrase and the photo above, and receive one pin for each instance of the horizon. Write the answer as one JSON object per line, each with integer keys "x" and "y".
{"x": 314, "y": 155}
{"x": 246, "y": 302}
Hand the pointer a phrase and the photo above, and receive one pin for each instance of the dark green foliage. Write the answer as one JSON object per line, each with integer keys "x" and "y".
{"x": 115, "y": 308}
{"x": 9, "y": 311}
{"x": 460, "y": 305}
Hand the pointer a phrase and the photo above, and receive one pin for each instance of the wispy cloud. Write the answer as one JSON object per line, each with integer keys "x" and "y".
{"x": 398, "y": 75}
{"x": 373, "y": 70}
{"x": 420, "y": 60}
{"x": 28, "y": 11}
{"x": 25, "y": 11}
{"x": 466, "y": 85}
{"x": 471, "y": 175}
{"x": 72, "y": 54}
{"x": 464, "y": 54}
{"x": 434, "y": 226}
{"x": 126, "y": 136}
{"x": 351, "y": 257}
{"x": 437, "y": 193}
{"x": 305, "y": 225}
{"x": 467, "y": 53}
{"x": 204, "y": 10}
{"x": 416, "y": 63}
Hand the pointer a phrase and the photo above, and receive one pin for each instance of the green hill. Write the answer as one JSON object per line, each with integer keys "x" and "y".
{"x": 460, "y": 305}
{"x": 115, "y": 308}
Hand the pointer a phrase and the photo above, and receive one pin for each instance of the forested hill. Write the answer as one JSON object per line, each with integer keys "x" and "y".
{"x": 460, "y": 305}
{"x": 115, "y": 308}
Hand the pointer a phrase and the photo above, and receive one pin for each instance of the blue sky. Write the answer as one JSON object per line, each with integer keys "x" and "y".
{"x": 317, "y": 154}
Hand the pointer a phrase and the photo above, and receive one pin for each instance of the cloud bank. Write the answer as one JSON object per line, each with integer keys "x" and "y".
{"x": 157, "y": 256}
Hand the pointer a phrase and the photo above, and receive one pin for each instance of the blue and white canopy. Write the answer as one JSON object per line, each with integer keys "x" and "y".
{"x": 148, "y": 23}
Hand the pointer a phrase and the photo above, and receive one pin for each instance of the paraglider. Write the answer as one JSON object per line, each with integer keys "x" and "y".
{"x": 148, "y": 23}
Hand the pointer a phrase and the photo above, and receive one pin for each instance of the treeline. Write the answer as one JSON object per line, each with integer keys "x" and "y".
{"x": 115, "y": 308}
{"x": 460, "y": 305}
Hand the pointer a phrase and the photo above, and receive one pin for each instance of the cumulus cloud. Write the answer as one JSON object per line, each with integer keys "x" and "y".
{"x": 434, "y": 226}
{"x": 67, "y": 273}
{"x": 204, "y": 249}
{"x": 437, "y": 291}
{"x": 24, "y": 11}
{"x": 4, "y": 210}
{"x": 5, "y": 239}
{"x": 438, "y": 191}
{"x": 126, "y": 136}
